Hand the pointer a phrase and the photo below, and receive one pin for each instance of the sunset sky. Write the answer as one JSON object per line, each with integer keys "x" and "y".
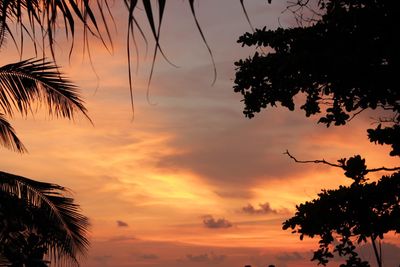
{"x": 190, "y": 181}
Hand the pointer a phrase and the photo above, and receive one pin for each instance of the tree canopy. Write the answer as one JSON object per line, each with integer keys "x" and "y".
{"x": 350, "y": 215}
{"x": 344, "y": 63}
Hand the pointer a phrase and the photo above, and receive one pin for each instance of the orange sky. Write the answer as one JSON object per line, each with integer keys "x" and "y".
{"x": 168, "y": 189}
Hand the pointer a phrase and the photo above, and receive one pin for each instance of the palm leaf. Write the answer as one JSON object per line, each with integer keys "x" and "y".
{"x": 192, "y": 9}
{"x": 8, "y": 137}
{"x": 45, "y": 15}
{"x": 52, "y": 212}
{"x": 91, "y": 14}
{"x": 24, "y": 82}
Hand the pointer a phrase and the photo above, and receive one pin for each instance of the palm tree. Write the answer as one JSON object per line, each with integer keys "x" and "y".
{"x": 37, "y": 219}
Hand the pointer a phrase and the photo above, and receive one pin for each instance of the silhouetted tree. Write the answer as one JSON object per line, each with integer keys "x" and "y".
{"x": 36, "y": 219}
{"x": 345, "y": 61}
{"x": 350, "y": 215}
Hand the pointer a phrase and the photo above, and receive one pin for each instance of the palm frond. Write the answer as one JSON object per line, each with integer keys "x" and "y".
{"x": 31, "y": 14}
{"x": 27, "y": 81}
{"x": 94, "y": 17}
{"x": 54, "y": 215}
{"x": 4, "y": 262}
{"x": 8, "y": 137}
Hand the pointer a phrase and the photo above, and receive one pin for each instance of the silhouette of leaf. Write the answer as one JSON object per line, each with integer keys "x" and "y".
{"x": 191, "y": 3}
{"x": 57, "y": 215}
{"x": 31, "y": 80}
{"x": 8, "y": 137}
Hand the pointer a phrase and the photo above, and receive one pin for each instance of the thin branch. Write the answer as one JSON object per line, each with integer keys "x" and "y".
{"x": 355, "y": 114}
{"x": 339, "y": 166}
{"x": 312, "y": 161}
{"x": 384, "y": 169}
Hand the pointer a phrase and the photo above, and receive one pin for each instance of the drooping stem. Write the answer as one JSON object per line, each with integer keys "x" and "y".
{"x": 377, "y": 256}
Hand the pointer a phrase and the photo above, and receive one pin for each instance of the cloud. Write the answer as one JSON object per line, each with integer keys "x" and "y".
{"x": 390, "y": 253}
{"x": 149, "y": 256}
{"x": 206, "y": 258}
{"x": 222, "y": 147}
{"x": 233, "y": 193}
{"x": 292, "y": 256}
{"x": 210, "y": 222}
{"x": 103, "y": 259}
{"x": 121, "y": 238}
{"x": 122, "y": 224}
{"x": 264, "y": 209}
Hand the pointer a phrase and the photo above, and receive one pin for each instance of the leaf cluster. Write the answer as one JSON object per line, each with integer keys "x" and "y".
{"x": 344, "y": 63}
{"x": 347, "y": 216}
{"x": 354, "y": 168}
{"x": 387, "y": 136}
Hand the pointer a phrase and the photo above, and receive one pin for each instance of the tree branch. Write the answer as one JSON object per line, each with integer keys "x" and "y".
{"x": 312, "y": 161}
{"x": 356, "y": 113}
{"x": 377, "y": 256}
{"x": 384, "y": 169}
{"x": 339, "y": 166}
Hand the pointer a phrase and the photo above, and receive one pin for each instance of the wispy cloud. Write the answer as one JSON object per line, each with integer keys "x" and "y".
{"x": 103, "y": 260}
{"x": 206, "y": 258}
{"x": 149, "y": 256}
{"x": 121, "y": 238}
{"x": 292, "y": 256}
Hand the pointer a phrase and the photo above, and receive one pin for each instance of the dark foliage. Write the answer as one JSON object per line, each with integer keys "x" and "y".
{"x": 350, "y": 215}
{"x": 345, "y": 61}
{"x": 37, "y": 218}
